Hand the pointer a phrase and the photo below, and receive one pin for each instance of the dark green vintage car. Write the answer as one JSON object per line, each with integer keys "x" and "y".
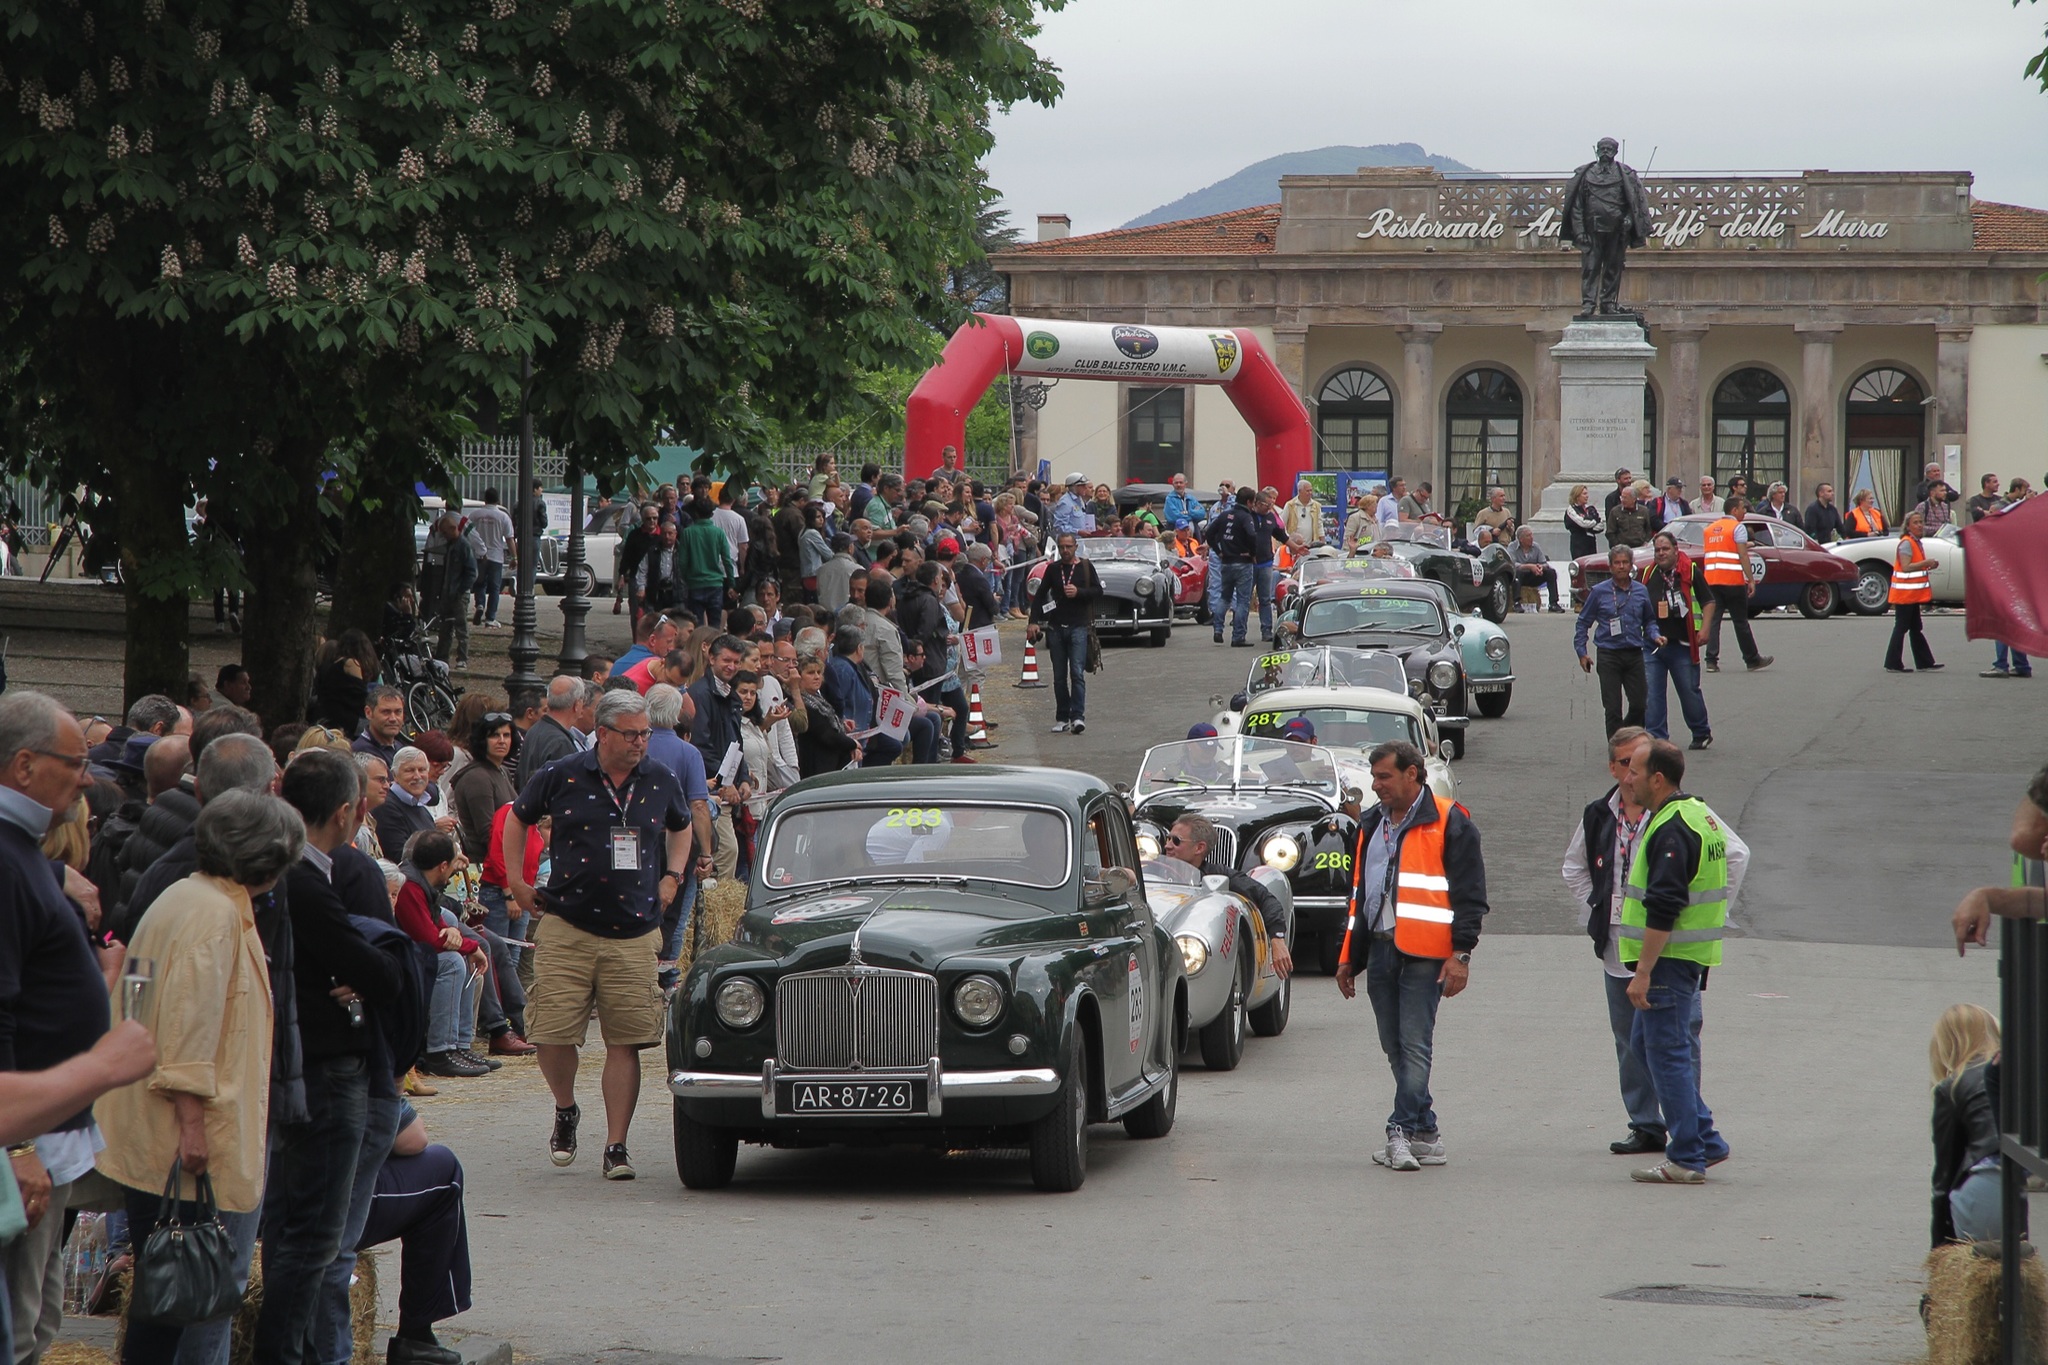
{"x": 933, "y": 956}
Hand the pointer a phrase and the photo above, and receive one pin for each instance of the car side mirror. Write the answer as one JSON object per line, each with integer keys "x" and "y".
{"x": 1216, "y": 882}
{"x": 1477, "y": 611}
{"x": 1240, "y": 700}
{"x": 1114, "y": 882}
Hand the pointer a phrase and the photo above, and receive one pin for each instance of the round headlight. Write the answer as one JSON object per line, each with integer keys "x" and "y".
{"x": 739, "y": 1003}
{"x": 1443, "y": 675}
{"x": 1281, "y": 852}
{"x": 978, "y": 1000}
{"x": 1497, "y": 648}
{"x": 1148, "y": 845}
{"x": 1194, "y": 954}
{"x": 1415, "y": 686}
{"x": 1146, "y": 587}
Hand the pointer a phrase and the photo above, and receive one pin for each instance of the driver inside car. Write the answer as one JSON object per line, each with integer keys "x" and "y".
{"x": 1203, "y": 764}
{"x": 1190, "y": 840}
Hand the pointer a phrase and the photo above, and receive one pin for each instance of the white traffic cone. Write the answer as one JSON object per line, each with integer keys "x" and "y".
{"x": 1030, "y": 676}
{"x": 977, "y": 724}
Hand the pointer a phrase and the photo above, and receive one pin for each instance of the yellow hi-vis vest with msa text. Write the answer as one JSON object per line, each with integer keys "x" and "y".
{"x": 1696, "y": 937}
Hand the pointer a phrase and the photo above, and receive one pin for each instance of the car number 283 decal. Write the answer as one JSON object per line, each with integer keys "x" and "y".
{"x": 1136, "y": 981}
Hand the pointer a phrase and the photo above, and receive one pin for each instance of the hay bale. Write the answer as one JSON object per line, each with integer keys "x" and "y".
{"x": 717, "y": 918}
{"x": 362, "y": 1303}
{"x": 76, "y": 1353}
{"x": 1962, "y": 1308}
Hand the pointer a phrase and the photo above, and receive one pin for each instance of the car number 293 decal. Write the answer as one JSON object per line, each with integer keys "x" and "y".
{"x": 1136, "y": 981}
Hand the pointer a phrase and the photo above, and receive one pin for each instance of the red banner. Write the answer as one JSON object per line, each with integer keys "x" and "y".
{"x": 2005, "y": 584}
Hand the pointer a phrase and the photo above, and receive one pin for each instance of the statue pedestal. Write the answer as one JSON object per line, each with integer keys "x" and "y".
{"x": 1600, "y": 365}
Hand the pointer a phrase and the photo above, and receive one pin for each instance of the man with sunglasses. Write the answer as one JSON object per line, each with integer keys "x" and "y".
{"x": 617, "y": 851}
{"x": 654, "y": 635}
{"x": 1190, "y": 840}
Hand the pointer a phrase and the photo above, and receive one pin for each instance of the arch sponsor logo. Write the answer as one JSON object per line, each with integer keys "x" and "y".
{"x": 1041, "y": 345}
{"x": 1138, "y": 343}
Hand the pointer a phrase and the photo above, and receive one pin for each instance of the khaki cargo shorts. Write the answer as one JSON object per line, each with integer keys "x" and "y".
{"x": 574, "y": 970}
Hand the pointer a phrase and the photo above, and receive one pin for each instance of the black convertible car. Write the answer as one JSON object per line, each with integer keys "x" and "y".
{"x": 1404, "y": 617}
{"x": 1485, "y": 580}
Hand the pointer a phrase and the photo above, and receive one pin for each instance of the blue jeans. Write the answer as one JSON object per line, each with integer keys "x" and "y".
{"x": 1234, "y": 582}
{"x": 675, "y": 924}
{"x": 1404, "y": 992}
{"x": 451, "y": 1018}
{"x": 305, "y": 1207}
{"x": 1215, "y": 589}
{"x": 1068, "y": 646}
{"x": 334, "y": 1341}
{"x": 2020, "y": 663}
{"x": 923, "y": 737}
{"x": 1978, "y": 1206}
{"x": 1264, "y": 577}
{"x": 1666, "y": 1041}
{"x": 1673, "y": 661}
{"x": 490, "y": 579}
{"x": 1638, "y": 1092}
{"x": 708, "y": 605}
{"x": 211, "y": 1343}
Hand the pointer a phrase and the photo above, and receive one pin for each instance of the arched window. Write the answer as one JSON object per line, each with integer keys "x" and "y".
{"x": 1752, "y": 430}
{"x": 1483, "y": 435}
{"x": 1355, "y": 424}
{"x": 1886, "y": 432}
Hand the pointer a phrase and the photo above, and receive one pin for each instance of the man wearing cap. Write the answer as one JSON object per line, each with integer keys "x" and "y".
{"x": 1673, "y": 504}
{"x": 1070, "y": 513}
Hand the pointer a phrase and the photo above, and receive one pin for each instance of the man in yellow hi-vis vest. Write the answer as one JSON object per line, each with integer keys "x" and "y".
{"x": 1672, "y": 918}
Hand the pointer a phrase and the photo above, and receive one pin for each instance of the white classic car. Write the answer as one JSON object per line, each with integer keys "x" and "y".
{"x": 1348, "y": 721}
{"x": 1874, "y": 556}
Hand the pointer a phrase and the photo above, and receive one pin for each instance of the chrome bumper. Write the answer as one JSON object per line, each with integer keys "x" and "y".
{"x": 939, "y": 1084}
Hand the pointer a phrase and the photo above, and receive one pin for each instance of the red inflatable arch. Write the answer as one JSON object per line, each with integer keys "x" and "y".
{"x": 989, "y": 346}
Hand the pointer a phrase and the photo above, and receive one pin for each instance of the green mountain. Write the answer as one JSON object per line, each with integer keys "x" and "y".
{"x": 1259, "y": 183}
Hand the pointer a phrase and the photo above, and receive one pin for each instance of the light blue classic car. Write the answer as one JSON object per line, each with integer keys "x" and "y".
{"x": 1483, "y": 648}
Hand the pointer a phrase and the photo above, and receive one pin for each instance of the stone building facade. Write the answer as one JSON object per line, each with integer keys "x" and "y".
{"x": 1820, "y": 327}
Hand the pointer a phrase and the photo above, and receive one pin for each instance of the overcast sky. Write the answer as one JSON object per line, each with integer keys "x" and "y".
{"x": 1166, "y": 96}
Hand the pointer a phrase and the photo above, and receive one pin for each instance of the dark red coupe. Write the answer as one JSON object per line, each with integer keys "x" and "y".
{"x": 1792, "y": 568}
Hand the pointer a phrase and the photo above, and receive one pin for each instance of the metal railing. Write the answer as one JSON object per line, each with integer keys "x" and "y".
{"x": 2022, "y": 1102}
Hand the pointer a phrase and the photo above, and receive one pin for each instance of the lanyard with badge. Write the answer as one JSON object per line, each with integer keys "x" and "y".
{"x": 1625, "y": 836}
{"x": 625, "y": 840}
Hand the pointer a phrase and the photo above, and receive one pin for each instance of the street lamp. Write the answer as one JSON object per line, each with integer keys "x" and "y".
{"x": 575, "y": 605}
{"x": 525, "y": 650}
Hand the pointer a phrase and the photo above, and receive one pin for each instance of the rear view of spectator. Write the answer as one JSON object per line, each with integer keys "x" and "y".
{"x": 1967, "y": 1179}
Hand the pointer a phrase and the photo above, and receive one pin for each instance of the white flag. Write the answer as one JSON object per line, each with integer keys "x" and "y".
{"x": 984, "y": 647}
{"x": 893, "y": 710}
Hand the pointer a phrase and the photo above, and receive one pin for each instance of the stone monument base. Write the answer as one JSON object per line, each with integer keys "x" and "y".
{"x": 1600, "y": 365}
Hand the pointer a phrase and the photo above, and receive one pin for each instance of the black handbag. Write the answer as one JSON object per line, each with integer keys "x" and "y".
{"x": 185, "y": 1271}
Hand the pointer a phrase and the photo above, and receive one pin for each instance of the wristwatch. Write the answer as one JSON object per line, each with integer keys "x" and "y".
{"x": 23, "y": 1148}
{"x": 1465, "y": 958}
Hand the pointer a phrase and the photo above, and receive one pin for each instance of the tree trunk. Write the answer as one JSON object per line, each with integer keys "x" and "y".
{"x": 378, "y": 556}
{"x": 279, "y": 630}
{"x": 149, "y": 506}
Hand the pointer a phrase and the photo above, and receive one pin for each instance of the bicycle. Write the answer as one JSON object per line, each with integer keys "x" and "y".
{"x": 410, "y": 666}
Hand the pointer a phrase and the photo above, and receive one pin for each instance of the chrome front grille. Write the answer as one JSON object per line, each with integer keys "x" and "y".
{"x": 856, "y": 1018}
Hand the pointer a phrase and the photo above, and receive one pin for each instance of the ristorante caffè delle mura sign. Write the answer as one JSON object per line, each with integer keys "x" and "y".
{"x": 1418, "y": 209}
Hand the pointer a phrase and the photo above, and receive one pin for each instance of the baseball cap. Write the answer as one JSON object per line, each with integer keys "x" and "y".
{"x": 1073, "y": 479}
{"x": 1299, "y": 729}
{"x": 1202, "y": 731}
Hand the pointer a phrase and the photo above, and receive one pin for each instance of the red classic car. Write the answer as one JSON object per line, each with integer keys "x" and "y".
{"x": 1791, "y": 567}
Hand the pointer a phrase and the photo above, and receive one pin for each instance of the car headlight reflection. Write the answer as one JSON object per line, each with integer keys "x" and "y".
{"x": 1194, "y": 954}
{"x": 1281, "y": 852}
{"x": 1497, "y": 648}
{"x": 1148, "y": 845}
{"x": 1443, "y": 675}
{"x": 978, "y": 1000}
{"x": 1146, "y": 587}
{"x": 740, "y": 1002}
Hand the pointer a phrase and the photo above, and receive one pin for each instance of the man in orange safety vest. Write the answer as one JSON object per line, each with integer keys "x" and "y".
{"x": 1418, "y": 894}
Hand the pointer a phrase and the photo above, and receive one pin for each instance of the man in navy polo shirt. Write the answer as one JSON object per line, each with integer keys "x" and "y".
{"x": 620, "y": 844}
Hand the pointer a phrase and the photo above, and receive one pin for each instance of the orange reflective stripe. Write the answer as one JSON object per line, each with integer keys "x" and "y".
{"x": 1351, "y": 915}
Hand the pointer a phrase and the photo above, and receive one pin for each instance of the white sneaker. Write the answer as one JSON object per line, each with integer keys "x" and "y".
{"x": 1398, "y": 1156}
{"x": 1078, "y": 726}
{"x": 1059, "y": 727}
{"x": 1429, "y": 1153}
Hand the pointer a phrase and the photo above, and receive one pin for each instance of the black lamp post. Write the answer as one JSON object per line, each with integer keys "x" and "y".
{"x": 575, "y": 604}
{"x": 525, "y": 650}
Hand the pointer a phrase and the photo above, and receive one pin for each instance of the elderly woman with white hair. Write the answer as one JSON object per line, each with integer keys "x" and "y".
{"x": 203, "y": 1113}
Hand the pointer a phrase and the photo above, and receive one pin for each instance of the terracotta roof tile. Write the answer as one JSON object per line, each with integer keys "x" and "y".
{"x": 1241, "y": 232}
{"x": 2008, "y": 227}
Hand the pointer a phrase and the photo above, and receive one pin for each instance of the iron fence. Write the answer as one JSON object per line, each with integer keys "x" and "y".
{"x": 2023, "y": 1101}
{"x": 792, "y": 463}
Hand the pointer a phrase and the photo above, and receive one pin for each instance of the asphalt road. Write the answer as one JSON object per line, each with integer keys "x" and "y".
{"x": 1854, "y": 787}
{"x": 1258, "y": 1229}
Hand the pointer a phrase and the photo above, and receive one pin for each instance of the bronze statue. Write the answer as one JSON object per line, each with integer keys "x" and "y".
{"x": 1605, "y": 213}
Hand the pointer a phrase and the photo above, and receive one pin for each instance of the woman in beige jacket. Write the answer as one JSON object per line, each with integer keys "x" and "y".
{"x": 205, "y": 1107}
